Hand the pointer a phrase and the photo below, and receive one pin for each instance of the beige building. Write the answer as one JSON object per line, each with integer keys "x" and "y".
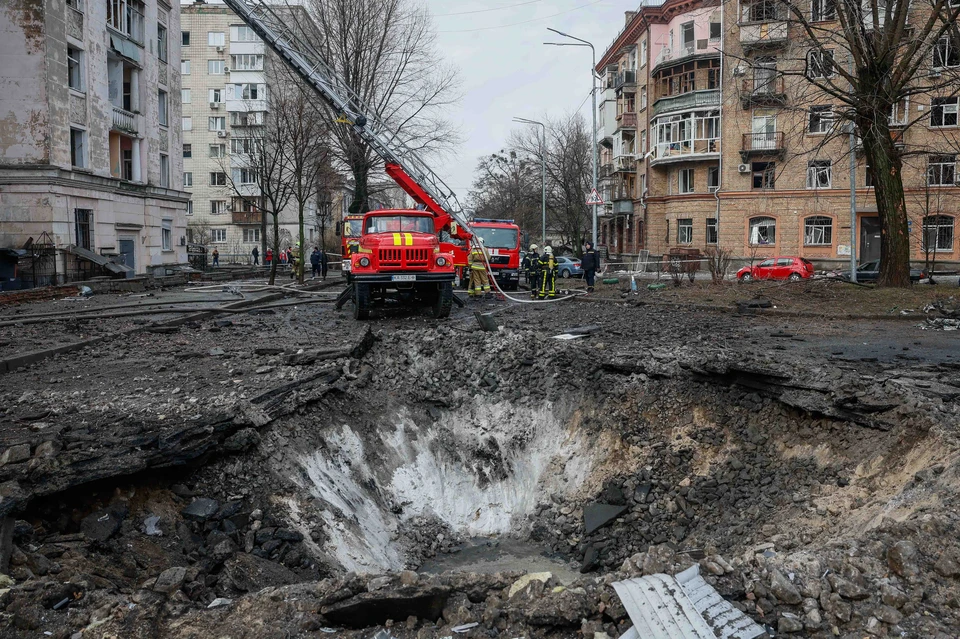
{"x": 90, "y": 142}
{"x": 711, "y": 138}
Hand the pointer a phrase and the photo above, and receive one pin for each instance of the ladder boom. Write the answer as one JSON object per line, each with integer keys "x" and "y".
{"x": 403, "y": 163}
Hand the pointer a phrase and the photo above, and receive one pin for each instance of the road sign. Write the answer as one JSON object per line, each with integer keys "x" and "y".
{"x": 594, "y": 198}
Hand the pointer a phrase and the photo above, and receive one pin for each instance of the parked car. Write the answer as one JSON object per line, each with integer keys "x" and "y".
{"x": 870, "y": 271}
{"x": 777, "y": 268}
{"x": 569, "y": 267}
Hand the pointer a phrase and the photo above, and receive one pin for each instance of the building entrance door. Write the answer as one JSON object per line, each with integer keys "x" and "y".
{"x": 128, "y": 253}
{"x": 869, "y": 239}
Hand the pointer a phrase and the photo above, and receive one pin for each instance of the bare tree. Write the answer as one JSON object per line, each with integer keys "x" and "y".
{"x": 871, "y": 57}
{"x": 384, "y": 51}
{"x": 507, "y": 185}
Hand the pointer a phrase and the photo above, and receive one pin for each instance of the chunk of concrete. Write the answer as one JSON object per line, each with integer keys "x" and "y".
{"x": 201, "y": 509}
{"x": 524, "y": 581}
{"x": 596, "y": 516}
{"x": 170, "y": 580}
{"x": 102, "y": 525}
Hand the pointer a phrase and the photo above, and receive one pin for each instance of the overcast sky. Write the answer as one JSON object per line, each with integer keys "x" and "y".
{"x": 506, "y": 70}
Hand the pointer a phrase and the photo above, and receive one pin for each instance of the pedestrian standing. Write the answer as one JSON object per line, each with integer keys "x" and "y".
{"x": 590, "y": 263}
{"x": 256, "y": 256}
{"x": 315, "y": 262}
{"x": 216, "y": 257}
{"x": 323, "y": 263}
{"x": 548, "y": 274}
{"x": 268, "y": 257}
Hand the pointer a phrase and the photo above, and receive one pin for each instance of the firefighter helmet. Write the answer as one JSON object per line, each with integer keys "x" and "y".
{"x": 533, "y": 247}
{"x": 548, "y": 250}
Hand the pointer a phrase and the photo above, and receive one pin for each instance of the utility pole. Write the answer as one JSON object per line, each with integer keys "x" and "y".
{"x": 853, "y": 194}
{"x": 593, "y": 95}
{"x": 543, "y": 177}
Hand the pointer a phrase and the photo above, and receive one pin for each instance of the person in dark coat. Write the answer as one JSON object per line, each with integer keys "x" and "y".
{"x": 532, "y": 270}
{"x": 315, "y": 262}
{"x": 256, "y": 256}
{"x": 590, "y": 263}
{"x": 216, "y": 257}
{"x": 323, "y": 264}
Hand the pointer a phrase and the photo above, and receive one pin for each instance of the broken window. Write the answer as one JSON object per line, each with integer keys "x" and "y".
{"x": 162, "y": 43}
{"x": 821, "y": 119}
{"x": 941, "y": 170}
{"x": 763, "y": 231}
{"x": 685, "y": 231}
{"x": 820, "y": 63}
{"x": 818, "y": 231}
{"x": 819, "y": 174}
{"x": 943, "y": 112}
{"x": 78, "y": 148}
{"x": 711, "y": 230}
{"x": 824, "y": 10}
{"x": 764, "y": 175}
{"x": 83, "y": 227}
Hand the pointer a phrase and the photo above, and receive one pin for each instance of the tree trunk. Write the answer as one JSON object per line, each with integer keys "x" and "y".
{"x": 263, "y": 234}
{"x": 302, "y": 253}
{"x": 276, "y": 248}
{"x": 887, "y": 168}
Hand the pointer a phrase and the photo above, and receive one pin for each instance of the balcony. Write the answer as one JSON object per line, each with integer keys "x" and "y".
{"x": 762, "y": 144}
{"x": 627, "y": 120}
{"x": 246, "y": 217}
{"x": 606, "y": 170}
{"x": 685, "y": 150}
{"x": 625, "y": 79}
{"x": 763, "y": 35}
{"x": 623, "y": 207}
{"x": 687, "y": 101}
{"x": 625, "y": 164}
{"x": 124, "y": 121}
{"x": 762, "y": 92}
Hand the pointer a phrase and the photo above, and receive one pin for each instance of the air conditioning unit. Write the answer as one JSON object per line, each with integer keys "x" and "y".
{"x": 739, "y": 70}
{"x": 226, "y": 69}
{"x": 219, "y": 49}
{"x": 214, "y": 105}
{"x": 223, "y": 134}
{"x": 743, "y": 168}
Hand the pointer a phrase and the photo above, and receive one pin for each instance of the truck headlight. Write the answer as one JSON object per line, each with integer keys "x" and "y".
{"x": 364, "y": 262}
{"x": 441, "y": 261}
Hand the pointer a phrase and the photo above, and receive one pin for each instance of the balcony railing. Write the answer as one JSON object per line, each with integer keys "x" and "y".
{"x": 246, "y": 217}
{"x": 606, "y": 170}
{"x": 124, "y": 120}
{"x": 625, "y": 78}
{"x": 762, "y": 91}
{"x": 763, "y": 34}
{"x": 625, "y": 163}
{"x": 623, "y": 207}
{"x": 684, "y": 150}
{"x": 627, "y": 120}
{"x": 685, "y": 101}
{"x": 765, "y": 143}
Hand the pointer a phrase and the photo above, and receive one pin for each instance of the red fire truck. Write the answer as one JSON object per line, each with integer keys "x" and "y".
{"x": 501, "y": 238}
{"x": 349, "y": 231}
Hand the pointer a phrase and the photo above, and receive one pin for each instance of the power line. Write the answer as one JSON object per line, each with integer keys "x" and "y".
{"x": 463, "y": 13}
{"x": 503, "y": 26}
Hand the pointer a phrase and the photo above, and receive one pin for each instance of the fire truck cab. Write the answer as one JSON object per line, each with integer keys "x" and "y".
{"x": 349, "y": 231}
{"x": 398, "y": 256}
{"x": 501, "y": 238}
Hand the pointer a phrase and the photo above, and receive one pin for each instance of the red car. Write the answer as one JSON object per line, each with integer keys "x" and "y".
{"x": 777, "y": 268}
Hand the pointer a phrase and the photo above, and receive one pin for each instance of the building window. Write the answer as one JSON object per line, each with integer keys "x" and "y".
{"x": 162, "y": 107}
{"x": 686, "y": 181}
{"x": 190, "y": 207}
{"x": 217, "y": 123}
{"x": 187, "y": 151}
{"x": 218, "y": 150}
{"x": 242, "y": 145}
{"x": 244, "y": 176}
{"x": 187, "y": 179}
{"x": 941, "y": 170}
{"x": 218, "y": 178}
{"x": 869, "y": 180}
{"x": 247, "y": 62}
{"x": 240, "y": 33}
{"x": 245, "y": 92}
{"x": 818, "y": 231}
{"x": 820, "y": 63}
{"x": 218, "y": 207}
{"x": 898, "y": 113}
{"x": 78, "y": 148}
{"x": 938, "y": 233}
{"x": 643, "y": 142}
{"x": 215, "y": 39}
{"x": 711, "y": 230}
{"x": 643, "y": 98}
{"x": 216, "y": 95}
{"x": 643, "y": 184}
{"x": 75, "y": 68}
{"x": 762, "y": 11}
{"x": 185, "y": 96}
{"x": 184, "y": 38}
{"x": 943, "y": 112}
{"x": 764, "y": 175}
{"x": 824, "y": 10}
{"x": 218, "y": 236}
{"x": 166, "y": 234}
{"x": 76, "y": 4}
{"x": 763, "y": 231}
{"x": 947, "y": 52}
{"x": 716, "y": 29}
{"x": 83, "y": 227}
{"x": 685, "y": 231}
{"x": 215, "y": 67}
{"x": 164, "y": 170}
{"x": 819, "y": 174}
{"x": 251, "y": 235}
{"x": 821, "y": 119}
{"x": 184, "y": 67}
{"x": 162, "y": 43}
{"x": 713, "y": 178}
{"x": 187, "y": 123}
{"x": 643, "y": 52}
{"x": 245, "y": 118}
{"x": 687, "y": 38}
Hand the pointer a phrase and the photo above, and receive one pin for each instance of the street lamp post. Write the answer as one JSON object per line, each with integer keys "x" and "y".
{"x": 543, "y": 177}
{"x": 593, "y": 94}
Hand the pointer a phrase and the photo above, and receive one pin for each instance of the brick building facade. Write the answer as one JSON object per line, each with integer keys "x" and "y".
{"x": 711, "y": 136}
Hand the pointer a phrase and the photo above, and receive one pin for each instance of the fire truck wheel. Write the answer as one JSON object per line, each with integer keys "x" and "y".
{"x": 361, "y": 301}
{"x": 444, "y": 300}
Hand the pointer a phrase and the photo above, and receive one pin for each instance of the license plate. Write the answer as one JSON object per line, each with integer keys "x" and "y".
{"x": 403, "y": 278}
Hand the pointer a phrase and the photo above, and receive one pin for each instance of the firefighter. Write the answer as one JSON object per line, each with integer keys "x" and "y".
{"x": 548, "y": 273}
{"x": 532, "y": 269}
{"x": 479, "y": 279}
{"x": 296, "y": 263}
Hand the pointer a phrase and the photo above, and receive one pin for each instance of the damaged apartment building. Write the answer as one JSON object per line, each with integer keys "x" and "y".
{"x": 90, "y": 142}
{"x": 710, "y": 136}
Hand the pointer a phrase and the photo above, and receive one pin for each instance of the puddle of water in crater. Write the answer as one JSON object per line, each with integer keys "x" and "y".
{"x": 490, "y": 555}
